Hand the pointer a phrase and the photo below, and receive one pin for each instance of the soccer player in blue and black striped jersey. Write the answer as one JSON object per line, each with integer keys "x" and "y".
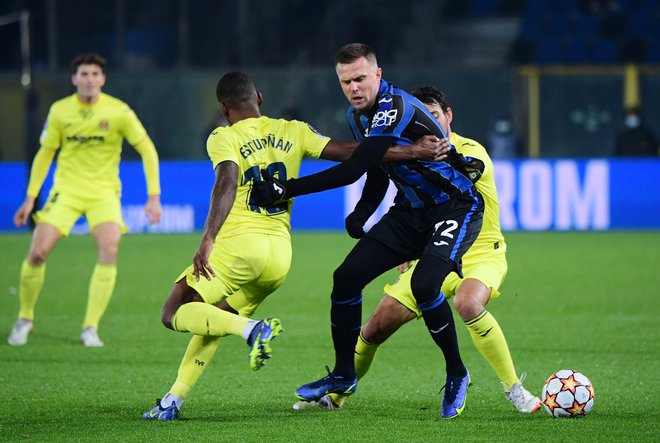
{"x": 436, "y": 217}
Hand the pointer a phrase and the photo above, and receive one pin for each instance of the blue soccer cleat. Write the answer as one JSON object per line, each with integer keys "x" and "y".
{"x": 330, "y": 384}
{"x": 163, "y": 414}
{"x": 259, "y": 341}
{"x": 453, "y": 401}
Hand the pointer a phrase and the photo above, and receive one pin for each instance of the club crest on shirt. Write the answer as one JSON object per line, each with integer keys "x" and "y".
{"x": 104, "y": 124}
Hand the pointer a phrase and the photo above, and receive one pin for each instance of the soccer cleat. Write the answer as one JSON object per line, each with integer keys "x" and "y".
{"x": 521, "y": 398}
{"x": 453, "y": 401}
{"x": 330, "y": 384}
{"x": 325, "y": 402}
{"x": 20, "y": 331}
{"x": 160, "y": 413}
{"x": 259, "y": 341}
{"x": 90, "y": 338}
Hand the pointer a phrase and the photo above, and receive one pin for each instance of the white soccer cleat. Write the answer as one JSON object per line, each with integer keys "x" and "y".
{"x": 302, "y": 404}
{"x": 324, "y": 402}
{"x": 90, "y": 338}
{"x": 20, "y": 331}
{"x": 522, "y": 399}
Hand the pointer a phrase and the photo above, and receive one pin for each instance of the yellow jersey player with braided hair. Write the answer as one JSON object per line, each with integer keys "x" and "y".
{"x": 484, "y": 269}
{"x": 86, "y": 130}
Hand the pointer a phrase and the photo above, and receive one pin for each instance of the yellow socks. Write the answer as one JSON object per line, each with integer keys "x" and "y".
{"x": 489, "y": 340}
{"x": 100, "y": 290}
{"x": 365, "y": 353}
{"x": 30, "y": 282}
{"x": 198, "y": 355}
{"x": 204, "y": 319}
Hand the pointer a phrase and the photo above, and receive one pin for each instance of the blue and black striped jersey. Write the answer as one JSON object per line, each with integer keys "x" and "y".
{"x": 402, "y": 117}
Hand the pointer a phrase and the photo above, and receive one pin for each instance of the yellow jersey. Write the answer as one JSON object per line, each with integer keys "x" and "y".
{"x": 89, "y": 139}
{"x": 254, "y": 144}
{"x": 490, "y": 238}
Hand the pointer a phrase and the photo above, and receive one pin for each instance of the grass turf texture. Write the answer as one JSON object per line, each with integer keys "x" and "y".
{"x": 586, "y": 301}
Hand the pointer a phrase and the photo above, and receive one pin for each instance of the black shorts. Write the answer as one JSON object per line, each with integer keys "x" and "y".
{"x": 446, "y": 230}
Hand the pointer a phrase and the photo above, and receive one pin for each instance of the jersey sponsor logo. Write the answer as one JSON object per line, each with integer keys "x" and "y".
{"x": 385, "y": 100}
{"x": 384, "y": 118}
{"x": 84, "y": 139}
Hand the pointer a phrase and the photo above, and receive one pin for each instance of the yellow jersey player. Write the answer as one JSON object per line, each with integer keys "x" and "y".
{"x": 484, "y": 269}
{"x": 87, "y": 128}
{"x": 245, "y": 251}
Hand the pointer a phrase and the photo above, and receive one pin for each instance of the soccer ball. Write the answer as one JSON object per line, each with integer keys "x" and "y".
{"x": 568, "y": 393}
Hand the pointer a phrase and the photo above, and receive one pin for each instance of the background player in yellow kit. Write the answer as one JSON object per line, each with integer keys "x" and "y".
{"x": 88, "y": 128}
{"x": 484, "y": 269}
{"x": 245, "y": 251}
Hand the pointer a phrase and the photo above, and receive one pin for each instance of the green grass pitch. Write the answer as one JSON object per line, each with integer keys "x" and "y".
{"x": 587, "y": 301}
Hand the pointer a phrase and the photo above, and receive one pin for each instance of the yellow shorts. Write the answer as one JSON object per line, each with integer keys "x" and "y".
{"x": 247, "y": 268}
{"x": 63, "y": 209}
{"x": 490, "y": 269}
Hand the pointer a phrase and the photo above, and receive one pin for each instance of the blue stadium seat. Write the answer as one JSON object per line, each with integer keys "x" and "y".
{"x": 564, "y": 6}
{"x": 652, "y": 54}
{"x": 603, "y": 50}
{"x": 483, "y": 8}
{"x": 535, "y": 7}
{"x": 639, "y": 23}
{"x": 575, "y": 51}
{"x": 583, "y": 26}
{"x": 548, "y": 51}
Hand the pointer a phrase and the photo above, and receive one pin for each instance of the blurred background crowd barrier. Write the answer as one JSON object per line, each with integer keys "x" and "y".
{"x": 536, "y": 79}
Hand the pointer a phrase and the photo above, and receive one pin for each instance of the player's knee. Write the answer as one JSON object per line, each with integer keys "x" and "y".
{"x": 37, "y": 256}
{"x": 166, "y": 318}
{"x": 427, "y": 279}
{"x": 108, "y": 253}
{"x": 169, "y": 309}
{"x": 423, "y": 289}
{"x": 346, "y": 280}
{"x": 376, "y": 331}
{"x": 467, "y": 307}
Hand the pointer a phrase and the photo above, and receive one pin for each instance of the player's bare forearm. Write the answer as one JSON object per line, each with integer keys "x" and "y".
{"x": 222, "y": 197}
{"x": 428, "y": 148}
{"x": 222, "y": 200}
{"x": 338, "y": 150}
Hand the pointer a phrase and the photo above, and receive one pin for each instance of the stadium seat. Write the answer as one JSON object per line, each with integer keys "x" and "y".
{"x": 603, "y": 51}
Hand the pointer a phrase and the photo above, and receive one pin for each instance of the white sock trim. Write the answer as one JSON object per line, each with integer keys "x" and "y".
{"x": 248, "y": 329}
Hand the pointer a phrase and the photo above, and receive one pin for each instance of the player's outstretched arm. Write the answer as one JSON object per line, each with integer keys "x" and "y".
{"x": 222, "y": 200}
{"x": 153, "y": 208}
{"x": 40, "y": 166}
{"x": 428, "y": 148}
{"x": 369, "y": 153}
